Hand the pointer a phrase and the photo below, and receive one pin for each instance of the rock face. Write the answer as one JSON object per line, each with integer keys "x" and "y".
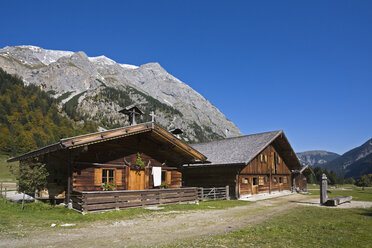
{"x": 95, "y": 88}
{"x": 316, "y": 158}
{"x": 353, "y": 163}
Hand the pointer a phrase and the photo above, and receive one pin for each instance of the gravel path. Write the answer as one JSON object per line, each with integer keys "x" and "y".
{"x": 159, "y": 227}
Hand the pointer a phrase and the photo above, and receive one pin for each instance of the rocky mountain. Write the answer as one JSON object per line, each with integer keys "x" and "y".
{"x": 353, "y": 163}
{"x": 95, "y": 88}
{"x": 316, "y": 158}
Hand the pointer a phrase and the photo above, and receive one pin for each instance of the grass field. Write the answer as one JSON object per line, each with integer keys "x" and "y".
{"x": 358, "y": 193}
{"x": 302, "y": 227}
{"x": 5, "y": 175}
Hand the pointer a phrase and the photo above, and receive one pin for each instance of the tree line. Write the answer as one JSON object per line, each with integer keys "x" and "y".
{"x": 334, "y": 178}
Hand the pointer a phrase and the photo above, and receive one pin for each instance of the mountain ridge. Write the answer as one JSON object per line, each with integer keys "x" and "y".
{"x": 95, "y": 88}
{"x": 316, "y": 157}
{"x": 350, "y": 162}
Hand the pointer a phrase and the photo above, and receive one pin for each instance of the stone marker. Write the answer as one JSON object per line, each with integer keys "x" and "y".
{"x": 323, "y": 190}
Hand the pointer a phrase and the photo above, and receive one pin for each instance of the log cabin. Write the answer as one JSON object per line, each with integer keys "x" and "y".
{"x": 85, "y": 163}
{"x": 249, "y": 165}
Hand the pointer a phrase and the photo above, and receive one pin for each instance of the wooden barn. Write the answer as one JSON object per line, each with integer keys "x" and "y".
{"x": 79, "y": 167}
{"x": 252, "y": 164}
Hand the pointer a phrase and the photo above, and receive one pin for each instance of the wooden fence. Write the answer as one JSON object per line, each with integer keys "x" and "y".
{"x": 220, "y": 193}
{"x": 85, "y": 201}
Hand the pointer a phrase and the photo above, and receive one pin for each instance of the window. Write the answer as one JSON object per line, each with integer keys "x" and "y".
{"x": 107, "y": 175}
{"x": 163, "y": 176}
{"x": 279, "y": 160}
{"x": 274, "y": 180}
{"x": 265, "y": 158}
{"x": 280, "y": 179}
{"x": 246, "y": 181}
{"x": 262, "y": 158}
{"x": 255, "y": 181}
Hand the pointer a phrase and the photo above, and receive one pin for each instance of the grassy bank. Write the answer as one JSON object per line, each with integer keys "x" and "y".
{"x": 302, "y": 227}
{"x": 358, "y": 193}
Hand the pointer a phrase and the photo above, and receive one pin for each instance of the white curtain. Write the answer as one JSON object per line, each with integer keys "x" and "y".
{"x": 156, "y": 173}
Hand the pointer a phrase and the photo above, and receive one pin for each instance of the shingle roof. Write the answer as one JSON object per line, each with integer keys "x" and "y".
{"x": 93, "y": 138}
{"x": 238, "y": 150}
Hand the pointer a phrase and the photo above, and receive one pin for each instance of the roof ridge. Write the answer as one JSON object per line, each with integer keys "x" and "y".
{"x": 238, "y": 137}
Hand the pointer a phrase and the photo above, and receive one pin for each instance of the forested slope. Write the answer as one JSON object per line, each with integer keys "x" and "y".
{"x": 30, "y": 118}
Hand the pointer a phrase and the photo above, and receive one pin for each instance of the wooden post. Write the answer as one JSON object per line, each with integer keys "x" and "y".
{"x": 270, "y": 182}
{"x": 323, "y": 190}
{"x": 227, "y": 192}
{"x": 237, "y": 186}
{"x": 69, "y": 205}
{"x": 23, "y": 201}
{"x": 5, "y": 195}
{"x": 84, "y": 203}
{"x": 116, "y": 201}
{"x": 214, "y": 193}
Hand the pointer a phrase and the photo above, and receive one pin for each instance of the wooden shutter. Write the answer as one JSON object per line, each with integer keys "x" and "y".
{"x": 261, "y": 181}
{"x": 97, "y": 177}
{"x": 176, "y": 179}
{"x": 119, "y": 177}
{"x": 168, "y": 176}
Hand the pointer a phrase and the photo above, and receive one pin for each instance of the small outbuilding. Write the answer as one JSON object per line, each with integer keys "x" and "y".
{"x": 249, "y": 165}
{"x": 300, "y": 178}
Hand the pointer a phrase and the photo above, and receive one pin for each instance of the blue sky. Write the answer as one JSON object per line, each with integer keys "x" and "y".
{"x": 301, "y": 66}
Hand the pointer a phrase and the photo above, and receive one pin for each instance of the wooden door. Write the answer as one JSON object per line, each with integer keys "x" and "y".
{"x": 136, "y": 180}
{"x": 254, "y": 189}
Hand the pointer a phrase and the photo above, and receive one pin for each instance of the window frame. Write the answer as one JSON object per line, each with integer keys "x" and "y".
{"x": 107, "y": 177}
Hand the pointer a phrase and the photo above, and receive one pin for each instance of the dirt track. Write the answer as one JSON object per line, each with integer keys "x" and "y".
{"x": 158, "y": 228}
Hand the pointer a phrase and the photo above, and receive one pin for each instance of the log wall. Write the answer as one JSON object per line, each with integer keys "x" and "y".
{"x": 88, "y": 176}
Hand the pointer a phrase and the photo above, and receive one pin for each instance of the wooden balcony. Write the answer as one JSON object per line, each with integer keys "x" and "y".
{"x": 93, "y": 201}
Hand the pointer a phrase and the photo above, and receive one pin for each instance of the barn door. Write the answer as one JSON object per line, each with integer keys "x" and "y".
{"x": 136, "y": 180}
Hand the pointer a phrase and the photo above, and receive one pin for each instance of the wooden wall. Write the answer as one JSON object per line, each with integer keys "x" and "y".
{"x": 241, "y": 178}
{"x": 301, "y": 182}
{"x": 208, "y": 177}
{"x": 268, "y": 171}
{"x": 88, "y": 177}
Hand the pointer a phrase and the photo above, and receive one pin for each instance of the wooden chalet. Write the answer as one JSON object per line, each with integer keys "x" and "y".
{"x": 79, "y": 166}
{"x": 252, "y": 164}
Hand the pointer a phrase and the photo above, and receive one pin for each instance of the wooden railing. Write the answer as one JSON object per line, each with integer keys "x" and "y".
{"x": 85, "y": 201}
{"x": 220, "y": 193}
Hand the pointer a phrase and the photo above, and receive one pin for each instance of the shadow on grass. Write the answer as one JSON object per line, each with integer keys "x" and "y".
{"x": 367, "y": 212}
{"x": 306, "y": 202}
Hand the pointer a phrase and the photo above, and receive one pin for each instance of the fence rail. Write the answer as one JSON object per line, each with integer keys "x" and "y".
{"x": 85, "y": 201}
{"x": 216, "y": 193}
